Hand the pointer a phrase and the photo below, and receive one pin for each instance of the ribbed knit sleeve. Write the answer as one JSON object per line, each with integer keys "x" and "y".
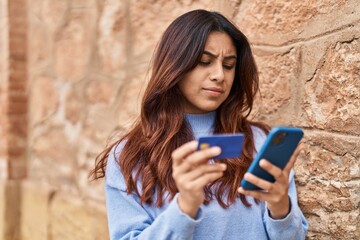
{"x": 128, "y": 219}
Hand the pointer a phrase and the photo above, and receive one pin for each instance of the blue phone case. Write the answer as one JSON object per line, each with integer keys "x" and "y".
{"x": 231, "y": 144}
{"x": 278, "y": 148}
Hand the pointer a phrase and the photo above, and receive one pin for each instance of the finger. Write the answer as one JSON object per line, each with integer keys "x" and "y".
{"x": 262, "y": 196}
{"x": 202, "y": 156}
{"x": 195, "y": 159}
{"x": 274, "y": 170}
{"x": 292, "y": 160}
{"x": 266, "y": 185}
{"x": 183, "y": 151}
{"x": 203, "y": 170}
{"x": 201, "y": 182}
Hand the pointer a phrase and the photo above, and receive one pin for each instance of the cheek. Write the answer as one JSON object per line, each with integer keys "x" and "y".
{"x": 230, "y": 82}
{"x": 185, "y": 88}
{"x": 188, "y": 91}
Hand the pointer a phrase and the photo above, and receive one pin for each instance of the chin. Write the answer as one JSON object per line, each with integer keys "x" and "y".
{"x": 210, "y": 109}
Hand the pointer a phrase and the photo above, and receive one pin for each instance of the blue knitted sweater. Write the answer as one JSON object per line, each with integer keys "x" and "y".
{"x": 128, "y": 219}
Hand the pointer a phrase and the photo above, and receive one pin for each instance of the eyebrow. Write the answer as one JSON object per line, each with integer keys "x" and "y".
{"x": 215, "y": 56}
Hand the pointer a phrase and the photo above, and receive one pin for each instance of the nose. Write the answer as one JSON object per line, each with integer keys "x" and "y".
{"x": 217, "y": 73}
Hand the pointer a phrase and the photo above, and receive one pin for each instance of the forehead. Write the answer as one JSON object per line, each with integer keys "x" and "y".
{"x": 220, "y": 43}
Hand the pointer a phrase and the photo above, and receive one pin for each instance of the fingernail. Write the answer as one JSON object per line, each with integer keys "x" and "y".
{"x": 264, "y": 163}
{"x": 216, "y": 150}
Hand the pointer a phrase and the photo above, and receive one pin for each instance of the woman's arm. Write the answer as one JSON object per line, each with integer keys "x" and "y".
{"x": 192, "y": 172}
{"x": 283, "y": 218}
{"x": 128, "y": 219}
{"x": 293, "y": 225}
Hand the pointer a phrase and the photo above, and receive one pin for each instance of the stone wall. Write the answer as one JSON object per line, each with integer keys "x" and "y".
{"x": 13, "y": 113}
{"x": 85, "y": 69}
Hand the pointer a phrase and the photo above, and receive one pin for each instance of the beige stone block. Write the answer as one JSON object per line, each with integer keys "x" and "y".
{"x": 327, "y": 176}
{"x": 148, "y": 23}
{"x": 39, "y": 44}
{"x": 332, "y": 96}
{"x": 44, "y": 99}
{"x": 10, "y": 199}
{"x": 74, "y": 44}
{"x": 312, "y": 56}
{"x": 99, "y": 221}
{"x": 329, "y": 157}
{"x": 3, "y": 162}
{"x": 72, "y": 218}
{"x": 53, "y": 157}
{"x": 112, "y": 41}
{"x": 35, "y": 201}
{"x": 53, "y": 13}
{"x": 99, "y": 123}
{"x": 100, "y": 91}
{"x": 282, "y": 22}
{"x": 93, "y": 190}
{"x": 34, "y": 9}
{"x": 278, "y": 78}
{"x": 337, "y": 224}
{"x": 129, "y": 101}
{"x": 45, "y": 18}
{"x": 83, "y": 3}
{"x": 69, "y": 218}
{"x": 2, "y": 209}
{"x": 75, "y": 107}
{"x": 328, "y": 195}
{"x": 101, "y": 96}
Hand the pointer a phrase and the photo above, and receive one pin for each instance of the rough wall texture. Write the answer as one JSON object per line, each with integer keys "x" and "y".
{"x": 3, "y": 85}
{"x": 85, "y": 72}
{"x": 3, "y": 106}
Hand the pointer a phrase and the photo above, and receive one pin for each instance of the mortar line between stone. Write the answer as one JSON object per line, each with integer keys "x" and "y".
{"x": 337, "y": 134}
{"x": 306, "y": 40}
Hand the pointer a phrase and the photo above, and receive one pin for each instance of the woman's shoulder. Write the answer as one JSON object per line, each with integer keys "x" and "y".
{"x": 259, "y": 136}
{"x": 114, "y": 176}
{"x": 257, "y": 131}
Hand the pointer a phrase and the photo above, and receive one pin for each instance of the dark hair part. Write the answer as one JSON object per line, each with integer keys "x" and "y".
{"x": 161, "y": 128}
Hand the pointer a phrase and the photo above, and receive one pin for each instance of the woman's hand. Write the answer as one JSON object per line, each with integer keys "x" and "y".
{"x": 192, "y": 172}
{"x": 275, "y": 194}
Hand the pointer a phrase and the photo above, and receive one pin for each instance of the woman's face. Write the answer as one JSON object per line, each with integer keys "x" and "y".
{"x": 207, "y": 86}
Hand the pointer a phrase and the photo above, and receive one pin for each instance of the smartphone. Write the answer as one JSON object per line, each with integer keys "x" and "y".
{"x": 231, "y": 144}
{"x": 278, "y": 148}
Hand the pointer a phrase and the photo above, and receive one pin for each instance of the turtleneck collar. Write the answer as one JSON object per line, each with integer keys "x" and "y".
{"x": 201, "y": 124}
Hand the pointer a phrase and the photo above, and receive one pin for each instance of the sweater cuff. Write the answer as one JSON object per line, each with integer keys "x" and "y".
{"x": 283, "y": 223}
{"x": 269, "y": 213}
{"x": 184, "y": 223}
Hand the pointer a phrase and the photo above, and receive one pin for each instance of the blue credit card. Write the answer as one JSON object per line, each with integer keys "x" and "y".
{"x": 231, "y": 144}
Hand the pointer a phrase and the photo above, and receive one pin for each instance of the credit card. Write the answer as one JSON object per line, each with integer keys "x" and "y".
{"x": 231, "y": 144}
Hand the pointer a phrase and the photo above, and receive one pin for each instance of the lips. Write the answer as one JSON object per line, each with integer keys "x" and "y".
{"x": 214, "y": 89}
{"x": 213, "y": 92}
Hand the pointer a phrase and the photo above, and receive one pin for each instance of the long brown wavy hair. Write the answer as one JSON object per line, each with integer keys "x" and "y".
{"x": 161, "y": 127}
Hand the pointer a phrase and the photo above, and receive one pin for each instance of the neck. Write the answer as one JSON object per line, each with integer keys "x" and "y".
{"x": 201, "y": 124}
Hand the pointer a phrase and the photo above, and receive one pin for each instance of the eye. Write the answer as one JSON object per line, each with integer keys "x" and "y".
{"x": 228, "y": 67}
{"x": 204, "y": 63}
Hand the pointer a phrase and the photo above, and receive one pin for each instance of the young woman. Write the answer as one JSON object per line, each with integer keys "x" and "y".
{"x": 203, "y": 81}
